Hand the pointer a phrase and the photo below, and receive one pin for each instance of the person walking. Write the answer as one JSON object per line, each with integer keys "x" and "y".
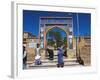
{"x": 60, "y": 58}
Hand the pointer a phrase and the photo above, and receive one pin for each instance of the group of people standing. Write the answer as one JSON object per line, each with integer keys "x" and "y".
{"x": 62, "y": 51}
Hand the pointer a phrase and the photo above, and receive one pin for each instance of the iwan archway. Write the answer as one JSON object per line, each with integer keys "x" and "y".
{"x": 63, "y": 23}
{"x": 58, "y": 35}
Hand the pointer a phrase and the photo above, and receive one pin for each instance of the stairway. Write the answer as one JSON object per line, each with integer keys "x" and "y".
{"x": 46, "y": 63}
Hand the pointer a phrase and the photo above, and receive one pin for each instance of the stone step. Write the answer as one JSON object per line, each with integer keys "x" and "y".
{"x": 55, "y": 56}
{"x": 52, "y": 64}
{"x": 53, "y": 61}
{"x": 68, "y": 51}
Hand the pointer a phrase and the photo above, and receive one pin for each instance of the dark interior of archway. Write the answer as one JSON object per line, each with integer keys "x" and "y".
{"x": 56, "y": 37}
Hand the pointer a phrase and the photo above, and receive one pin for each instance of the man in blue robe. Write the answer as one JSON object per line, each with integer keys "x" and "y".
{"x": 60, "y": 58}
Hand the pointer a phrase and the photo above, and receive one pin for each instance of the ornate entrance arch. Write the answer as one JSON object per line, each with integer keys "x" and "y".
{"x": 48, "y": 23}
{"x": 63, "y": 28}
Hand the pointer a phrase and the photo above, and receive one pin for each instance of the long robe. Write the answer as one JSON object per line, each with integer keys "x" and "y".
{"x": 51, "y": 54}
{"x": 60, "y": 56}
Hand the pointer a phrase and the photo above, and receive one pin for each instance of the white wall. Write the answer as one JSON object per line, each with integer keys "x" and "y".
{"x": 5, "y": 38}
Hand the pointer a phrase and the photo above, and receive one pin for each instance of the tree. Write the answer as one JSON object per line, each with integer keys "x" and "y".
{"x": 55, "y": 37}
{"x": 65, "y": 40}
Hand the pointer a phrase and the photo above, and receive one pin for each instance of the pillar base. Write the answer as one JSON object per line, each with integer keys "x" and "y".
{"x": 43, "y": 55}
{"x": 71, "y": 53}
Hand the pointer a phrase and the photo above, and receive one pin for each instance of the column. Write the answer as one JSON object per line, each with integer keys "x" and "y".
{"x": 44, "y": 39}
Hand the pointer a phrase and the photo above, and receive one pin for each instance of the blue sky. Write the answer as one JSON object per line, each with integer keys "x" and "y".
{"x": 31, "y": 21}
